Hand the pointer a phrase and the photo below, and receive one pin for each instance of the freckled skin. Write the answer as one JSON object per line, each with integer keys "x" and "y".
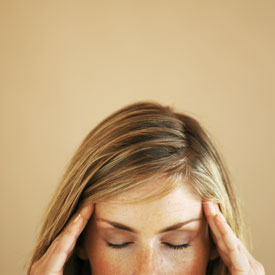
{"x": 147, "y": 253}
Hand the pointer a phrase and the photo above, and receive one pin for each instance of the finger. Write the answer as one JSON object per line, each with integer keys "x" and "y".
{"x": 238, "y": 257}
{"x": 210, "y": 212}
{"x": 61, "y": 248}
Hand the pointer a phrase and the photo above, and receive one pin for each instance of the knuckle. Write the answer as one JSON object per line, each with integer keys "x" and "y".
{"x": 36, "y": 268}
{"x": 69, "y": 232}
{"x": 63, "y": 244}
{"x": 72, "y": 228}
{"x": 221, "y": 247}
{"x": 59, "y": 247}
{"x": 57, "y": 239}
{"x": 68, "y": 237}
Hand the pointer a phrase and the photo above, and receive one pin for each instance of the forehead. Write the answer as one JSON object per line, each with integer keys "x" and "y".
{"x": 179, "y": 205}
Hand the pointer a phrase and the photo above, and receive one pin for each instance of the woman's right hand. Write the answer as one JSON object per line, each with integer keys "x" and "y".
{"x": 53, "y": 261}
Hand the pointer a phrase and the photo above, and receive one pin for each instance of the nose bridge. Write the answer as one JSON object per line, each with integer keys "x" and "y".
{"x": 147, "y": 261}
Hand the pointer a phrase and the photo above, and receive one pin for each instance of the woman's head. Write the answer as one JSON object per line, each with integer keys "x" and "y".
{"x": 142, "y": 145}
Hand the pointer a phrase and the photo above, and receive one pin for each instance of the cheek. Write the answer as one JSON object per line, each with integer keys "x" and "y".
{"x": 192, "y": 261}
{"x": 107, "y": 261}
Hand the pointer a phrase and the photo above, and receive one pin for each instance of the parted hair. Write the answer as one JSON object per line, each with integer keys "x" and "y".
{"x": 129, "y": 148}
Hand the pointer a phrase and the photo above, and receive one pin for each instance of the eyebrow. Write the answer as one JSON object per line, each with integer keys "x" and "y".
{"x": 129, "y": 229}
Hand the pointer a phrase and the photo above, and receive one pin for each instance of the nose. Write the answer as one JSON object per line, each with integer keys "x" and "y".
{"x": 147, "y": 262}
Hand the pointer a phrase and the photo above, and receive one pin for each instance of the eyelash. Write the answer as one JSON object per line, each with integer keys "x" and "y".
{"x": 123, "y": 245}
{"x": 180, "y": 246}
{"x": 118, "y": 246}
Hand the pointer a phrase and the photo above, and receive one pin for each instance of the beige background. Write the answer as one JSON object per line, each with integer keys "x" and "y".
{"x": 65, "y": 65}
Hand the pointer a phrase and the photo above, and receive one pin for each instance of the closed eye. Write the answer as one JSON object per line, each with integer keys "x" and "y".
{"x": 179, "y": 246}
{"x": 119, "y": 246}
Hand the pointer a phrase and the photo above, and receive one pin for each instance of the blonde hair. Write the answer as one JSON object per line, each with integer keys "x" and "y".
{"x": 128, "y": 149}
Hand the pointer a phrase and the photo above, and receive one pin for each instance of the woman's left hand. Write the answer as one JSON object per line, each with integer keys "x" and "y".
{"x": 232, "y": 251}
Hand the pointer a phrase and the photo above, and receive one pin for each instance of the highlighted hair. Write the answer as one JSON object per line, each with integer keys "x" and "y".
{"x": 131, "y": 147}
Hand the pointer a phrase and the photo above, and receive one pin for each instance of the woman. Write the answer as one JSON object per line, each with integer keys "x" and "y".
{"x": 145, "y": 193}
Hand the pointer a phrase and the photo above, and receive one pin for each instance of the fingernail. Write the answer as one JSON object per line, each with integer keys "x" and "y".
{"x": 212, "y": 207}
{"x": 77, "y": 218}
